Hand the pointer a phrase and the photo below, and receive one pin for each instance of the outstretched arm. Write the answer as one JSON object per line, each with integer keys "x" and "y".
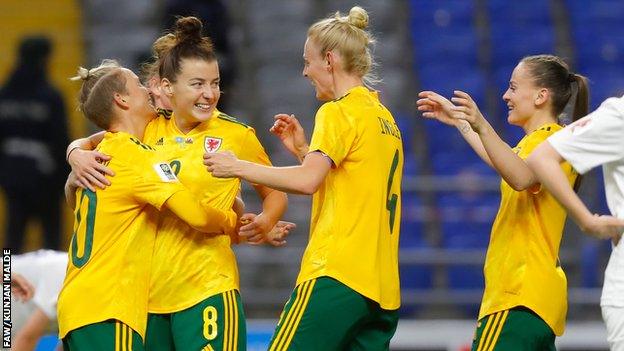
{"x": 502, "y": 158}
{"x": 435, "y": 106}
{"x": 303, "y": 179}
{"x": 545, "y": 163}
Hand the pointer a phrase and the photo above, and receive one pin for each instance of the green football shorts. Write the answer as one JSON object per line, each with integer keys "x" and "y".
{"x": 517, "y": 329}
{"x": 215, "y": 324}
{"x": 324, "y": 314}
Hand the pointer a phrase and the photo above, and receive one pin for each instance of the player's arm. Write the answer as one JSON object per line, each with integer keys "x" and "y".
{"x": 255, "y": 228}
{"x": 511, "y": 167}
{"x": 545, "y": 162}
{"x": 35, "y": 327}
{"x": 70, "y": 189}
{"x": 201, "y": 216}
{"x": 435, "y": 106}
{"x": 86, "y": 163}
{"x": 303, "y": 179}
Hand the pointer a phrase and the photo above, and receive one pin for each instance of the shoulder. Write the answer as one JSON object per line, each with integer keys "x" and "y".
{"x": 231, "y": 120}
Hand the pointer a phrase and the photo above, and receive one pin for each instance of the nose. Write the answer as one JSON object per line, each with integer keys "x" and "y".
{"x": 506, "y": 96}
{"x": 208, "y": 93}
{"x": 305, "y": 71}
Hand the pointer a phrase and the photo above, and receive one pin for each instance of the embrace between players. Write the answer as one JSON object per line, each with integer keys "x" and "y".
{"x": 157, "y": 203}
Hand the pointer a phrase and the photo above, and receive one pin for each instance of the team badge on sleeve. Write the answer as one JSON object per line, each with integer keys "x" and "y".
{"x": 165, "y": 172}
{"x": 212, "y": 144}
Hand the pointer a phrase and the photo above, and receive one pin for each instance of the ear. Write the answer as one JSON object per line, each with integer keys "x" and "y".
{"x": 543, "y": 95}
{"x": 154, "y": 86}
{"x": 120, "y": 101}
{"x": 330, "y": 60}
{"x": 166, "y": 87}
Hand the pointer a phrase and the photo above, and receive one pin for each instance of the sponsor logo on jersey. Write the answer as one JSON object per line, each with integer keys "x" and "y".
{"x": 160, "y": 142}
{"x": 212, "y": 144}
{"x": 179, "y": 140}
{"x": 165, "y": 172}
{"x": 189, "y": 140}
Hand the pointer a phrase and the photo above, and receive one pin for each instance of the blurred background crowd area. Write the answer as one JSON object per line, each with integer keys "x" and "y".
{"x": 450, "y": 197}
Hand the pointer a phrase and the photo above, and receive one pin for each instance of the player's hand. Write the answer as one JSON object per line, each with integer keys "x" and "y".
{"x": 604, "y": 227}
{"x": 277, "y": 235}
{"x": 253, "y": 228}
{"x": 89, "y": 169}
{"x": 466, "y": 109}
{"x": 288, "y": 129}
{"x": 221, "y": 164}
{"x": 21, "y": 288}
{"x": 435, "y": 106}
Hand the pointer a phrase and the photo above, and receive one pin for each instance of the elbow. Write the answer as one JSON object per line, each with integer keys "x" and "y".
{"x": 310, "y": 187}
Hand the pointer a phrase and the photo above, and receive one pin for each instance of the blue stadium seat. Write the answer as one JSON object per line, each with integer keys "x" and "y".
{"x": 47, "y": 343}
{"x": 441, "y": 13}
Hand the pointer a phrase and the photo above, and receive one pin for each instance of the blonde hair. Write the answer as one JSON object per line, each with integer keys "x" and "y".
{"x": 348, "y": 36}
{"x": 99, "y": 85}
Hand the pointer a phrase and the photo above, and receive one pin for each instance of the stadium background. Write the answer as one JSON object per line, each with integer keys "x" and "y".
{"x": 449, "y": 197}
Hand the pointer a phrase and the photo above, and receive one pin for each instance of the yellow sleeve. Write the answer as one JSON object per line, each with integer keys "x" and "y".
{"x": 201, "y": 216}
{"x": 251, "y": 150}
{"x": 333, "y": 135}
{"x": 155, "y": 182}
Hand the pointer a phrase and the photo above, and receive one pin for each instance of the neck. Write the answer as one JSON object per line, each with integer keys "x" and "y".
{"x": 133, "y": 126}
{"x": 183, "y": 123}
{"x": 344, "y": 82}
{"x": 539, "y": 119}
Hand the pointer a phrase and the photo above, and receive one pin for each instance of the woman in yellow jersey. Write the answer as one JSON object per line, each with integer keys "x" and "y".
{"x": 347, "y": 292}
{"x": 525, "y": 300}
{"x": 194, "y": 300}
{"x": 115, "y": 228}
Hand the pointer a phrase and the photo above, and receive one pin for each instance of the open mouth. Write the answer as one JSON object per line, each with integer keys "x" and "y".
{"x": 203, "y": 107}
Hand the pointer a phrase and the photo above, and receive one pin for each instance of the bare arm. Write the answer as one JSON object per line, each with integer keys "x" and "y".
{"x": 70, "y": 190}
{"x": 502, "y": 158}
{"x": 545, "y": 162}
{"x": 435, "y": 106}
{"x": 303, "y": 179}
{"x": 26, "y": 338}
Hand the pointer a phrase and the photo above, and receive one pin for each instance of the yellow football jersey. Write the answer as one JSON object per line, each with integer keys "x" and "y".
{"x": 188, "y": 265}
{"x": 522, "y": 263}
{"x": 114, "y": 232}
{"x": 356, "y": 212}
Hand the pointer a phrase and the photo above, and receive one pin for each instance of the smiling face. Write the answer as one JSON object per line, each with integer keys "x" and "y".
{"x": 195, "y": 93}
{"x": 317, "y": 69}
{"x": 521, "y": 96}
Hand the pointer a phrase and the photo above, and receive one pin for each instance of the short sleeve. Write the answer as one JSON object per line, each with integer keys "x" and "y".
{"x": 333, "y": 134}
{"x": 594, "y": 140}
{"x": 251, "y": 150}
{"x": 155, "y": 182}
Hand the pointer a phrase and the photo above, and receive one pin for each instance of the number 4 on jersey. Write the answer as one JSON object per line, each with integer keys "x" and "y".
{"x": 391, "y": 199}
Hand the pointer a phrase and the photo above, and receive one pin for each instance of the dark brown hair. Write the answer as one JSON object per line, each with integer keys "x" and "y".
{"x": 552, "y": 73}
{"x": 189, "y": 43}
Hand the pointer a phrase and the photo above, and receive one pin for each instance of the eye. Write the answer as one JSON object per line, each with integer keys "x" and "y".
{"x": 196, "y": 84}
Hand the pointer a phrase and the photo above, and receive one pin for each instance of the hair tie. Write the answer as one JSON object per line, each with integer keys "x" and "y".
{"x": 571, "y": 77}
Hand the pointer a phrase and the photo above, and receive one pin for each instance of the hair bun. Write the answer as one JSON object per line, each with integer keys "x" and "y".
{"x": 188, "y": 29}
{"x": 83, "y": 74}
{"x": 358, "y": 17}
